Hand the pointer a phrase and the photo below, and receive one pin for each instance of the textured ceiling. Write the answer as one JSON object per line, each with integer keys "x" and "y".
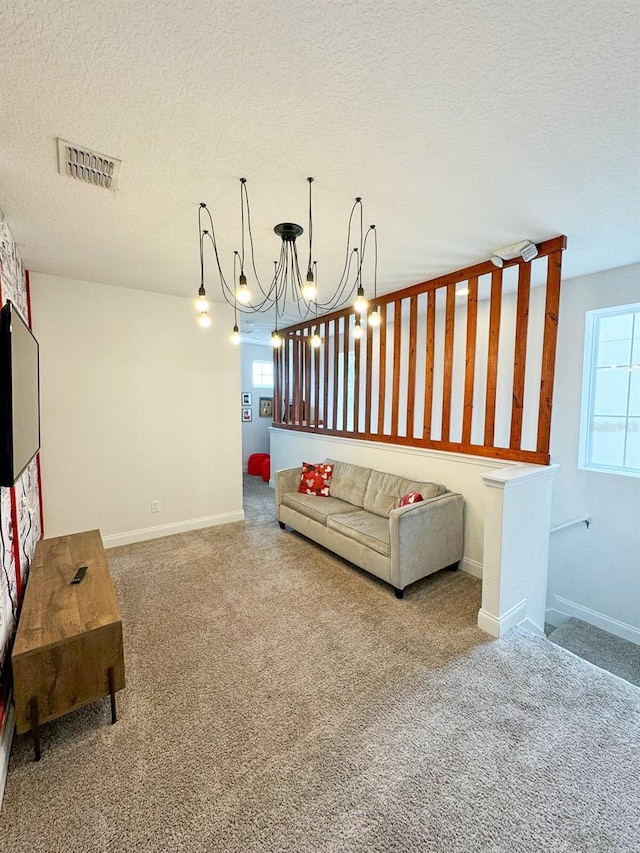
{"x": 464, "y": 126}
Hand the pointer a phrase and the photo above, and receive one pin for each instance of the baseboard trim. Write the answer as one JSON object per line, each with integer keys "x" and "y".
{"x": 498, "y": 626}
{"x": 116, "y": 539}
{"x": 6, "y": 739}
{"x": 471, "y": 567}
{"x": 567, "y": 608}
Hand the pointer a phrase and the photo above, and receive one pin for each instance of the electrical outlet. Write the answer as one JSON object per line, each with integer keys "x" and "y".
{"x": 155, "y": 506}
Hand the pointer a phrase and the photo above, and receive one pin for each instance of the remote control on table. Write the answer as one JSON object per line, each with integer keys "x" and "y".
{"x": 79, "y": 574}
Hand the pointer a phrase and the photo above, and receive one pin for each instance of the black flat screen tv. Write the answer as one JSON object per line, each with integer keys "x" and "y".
{"x": 19, "y": 395}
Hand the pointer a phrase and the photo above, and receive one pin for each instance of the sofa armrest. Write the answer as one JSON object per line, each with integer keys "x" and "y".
{"x": 286, "y": 480}
{"x": 425, "y": 537}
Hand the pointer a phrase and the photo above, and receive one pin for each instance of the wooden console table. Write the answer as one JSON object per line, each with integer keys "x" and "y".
{"x": 68, "y": 647}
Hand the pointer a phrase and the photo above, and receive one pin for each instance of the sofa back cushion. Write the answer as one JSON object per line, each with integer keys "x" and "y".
{"x": 348, "y": 482}
{"x": 384, "y": 491}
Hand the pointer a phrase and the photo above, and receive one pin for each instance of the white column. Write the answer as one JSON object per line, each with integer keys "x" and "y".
{"x": 516, "y": 547}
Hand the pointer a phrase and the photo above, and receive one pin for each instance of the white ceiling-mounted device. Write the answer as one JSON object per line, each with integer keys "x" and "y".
{"x": 524, "y": 249}
{"x": 88, "y": 166}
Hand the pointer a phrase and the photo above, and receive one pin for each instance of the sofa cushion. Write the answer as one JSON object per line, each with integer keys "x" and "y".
{"x": 368, "y": 529}
{"x": 348, "y": 482}
{"x": 314, "y": 506}
{"x": 384, "y": 491}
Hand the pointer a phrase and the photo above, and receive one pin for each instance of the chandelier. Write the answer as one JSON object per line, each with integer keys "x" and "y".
{"x": 286, "y": 290}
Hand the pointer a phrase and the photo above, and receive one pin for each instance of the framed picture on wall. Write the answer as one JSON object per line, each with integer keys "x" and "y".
{"x": 246, "y": 399}
{"x": 266, "y": 407}
{"x": 246, "y": 415}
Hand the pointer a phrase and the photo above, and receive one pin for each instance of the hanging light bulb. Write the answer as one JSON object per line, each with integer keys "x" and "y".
{"x": 309, "y": 289}
{"x": 235, "y": 335}
{"x": 361, "y": 303}
{"x": 357, "y": 329}
{"x": 204, "y": 320}
{"x": 242, "y": 293}
{"x": 201, "y": 301}
{"x": 374, "y": 317}
{"x": 276, "y": 340}
{"x": 315, "y": 340}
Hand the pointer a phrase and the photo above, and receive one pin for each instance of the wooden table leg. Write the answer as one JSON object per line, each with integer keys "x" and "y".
{"x": 35, "y": 727}
{"x": 112, "y": 692}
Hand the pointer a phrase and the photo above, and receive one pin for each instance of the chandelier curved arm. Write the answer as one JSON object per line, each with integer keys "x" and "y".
{"x": 339, "y": 296}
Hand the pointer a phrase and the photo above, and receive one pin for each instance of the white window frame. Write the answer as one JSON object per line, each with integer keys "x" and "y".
{"x": 262, "y": 363}
{"x": 589, "y": 372}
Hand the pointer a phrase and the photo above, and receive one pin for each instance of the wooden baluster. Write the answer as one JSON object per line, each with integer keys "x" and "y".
{"x": 551, "y": 313}
{"x": 368, "y": 427}
{"x": 397, "y": 343}
{"x": 469, "y": 376}
{"x": 286, "y": 344}
{"x": 382, "y": 369}
{"x": 306, "y": 400}
{"x": 297, "y": 380}
{"x": 336, "y": 361}
{"x": 326, "y": 371}
{"x": 448, "y": 362}
{"x": 429, "y": 360}
{"x": 356, "y": 384}
{"x": 492, "y": 357}
{"x": 411, "y": 386}
{"x": 345, "y": 370}
{"x": 316, "y": 379}
{"x": 277, "y": 402}
{"x": 520, "y": 354}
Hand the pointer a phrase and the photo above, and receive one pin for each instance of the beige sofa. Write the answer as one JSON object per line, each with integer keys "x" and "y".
{"x": 361, "y": 521}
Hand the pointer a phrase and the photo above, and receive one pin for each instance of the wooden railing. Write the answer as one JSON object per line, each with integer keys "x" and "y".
{"x": 444, "y": 371}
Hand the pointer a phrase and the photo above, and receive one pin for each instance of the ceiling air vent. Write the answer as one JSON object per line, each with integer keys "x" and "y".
{"x": 88, "y": 166}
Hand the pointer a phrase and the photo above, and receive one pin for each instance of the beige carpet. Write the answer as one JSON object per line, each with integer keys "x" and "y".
{"x": 279, "y": 700}
{"x": 600, "y": 648}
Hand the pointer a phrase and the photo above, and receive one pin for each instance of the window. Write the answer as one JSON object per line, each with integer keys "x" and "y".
{"x": 610, "y": 421}
{"x": 263, "y": 374}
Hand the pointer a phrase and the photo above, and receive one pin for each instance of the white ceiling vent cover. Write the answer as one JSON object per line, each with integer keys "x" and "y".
{"x": 88, "y": 166}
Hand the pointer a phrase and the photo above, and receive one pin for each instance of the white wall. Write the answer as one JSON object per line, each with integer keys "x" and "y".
{"x": 255, "y": 433}
{"x": 138, "y": 404}
{"x": 594, "y": 574}
{"x": 459, "y": 473}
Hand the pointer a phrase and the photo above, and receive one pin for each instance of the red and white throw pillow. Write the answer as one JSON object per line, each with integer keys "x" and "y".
{"x": 315, "y": 479}
{"x": 410, "y": 498}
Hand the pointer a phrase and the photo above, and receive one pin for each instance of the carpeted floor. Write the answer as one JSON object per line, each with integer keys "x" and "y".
{"x": 600, "y": 648}
{"x": 279, "y": 700}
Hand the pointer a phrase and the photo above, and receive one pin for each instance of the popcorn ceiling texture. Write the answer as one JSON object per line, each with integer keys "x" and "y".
{"x": 464, "y": 126}
{"x": 278, "y": 699}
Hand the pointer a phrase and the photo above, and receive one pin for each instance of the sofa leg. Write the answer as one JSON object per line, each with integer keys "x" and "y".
{"x": 282, "y": 525}
{"x": 454, "y": 567}
{"x": 399, "y": 592}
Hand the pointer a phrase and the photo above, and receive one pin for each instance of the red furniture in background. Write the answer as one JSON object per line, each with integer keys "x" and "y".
{"x": 255, "y": 463}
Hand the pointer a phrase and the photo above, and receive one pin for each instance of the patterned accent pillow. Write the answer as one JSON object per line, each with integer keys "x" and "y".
{"x": 410, "y": 498}
{"x": 315, "y": 479}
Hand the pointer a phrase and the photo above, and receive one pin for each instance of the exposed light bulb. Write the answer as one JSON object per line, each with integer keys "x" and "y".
{"x": 361, "y": 303}
{"x": 357, "y": 329}
{"x": 201, "y": 301}
{"x": 235, "y": 335}
{"x": 315, "y": 341}
{"x": 276, "y": 340}
{"x": 309, "y": 290}
{"x": 374, "y": 317}
{"x": 242, "y": 293}
{"x": 204, "y": 320}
